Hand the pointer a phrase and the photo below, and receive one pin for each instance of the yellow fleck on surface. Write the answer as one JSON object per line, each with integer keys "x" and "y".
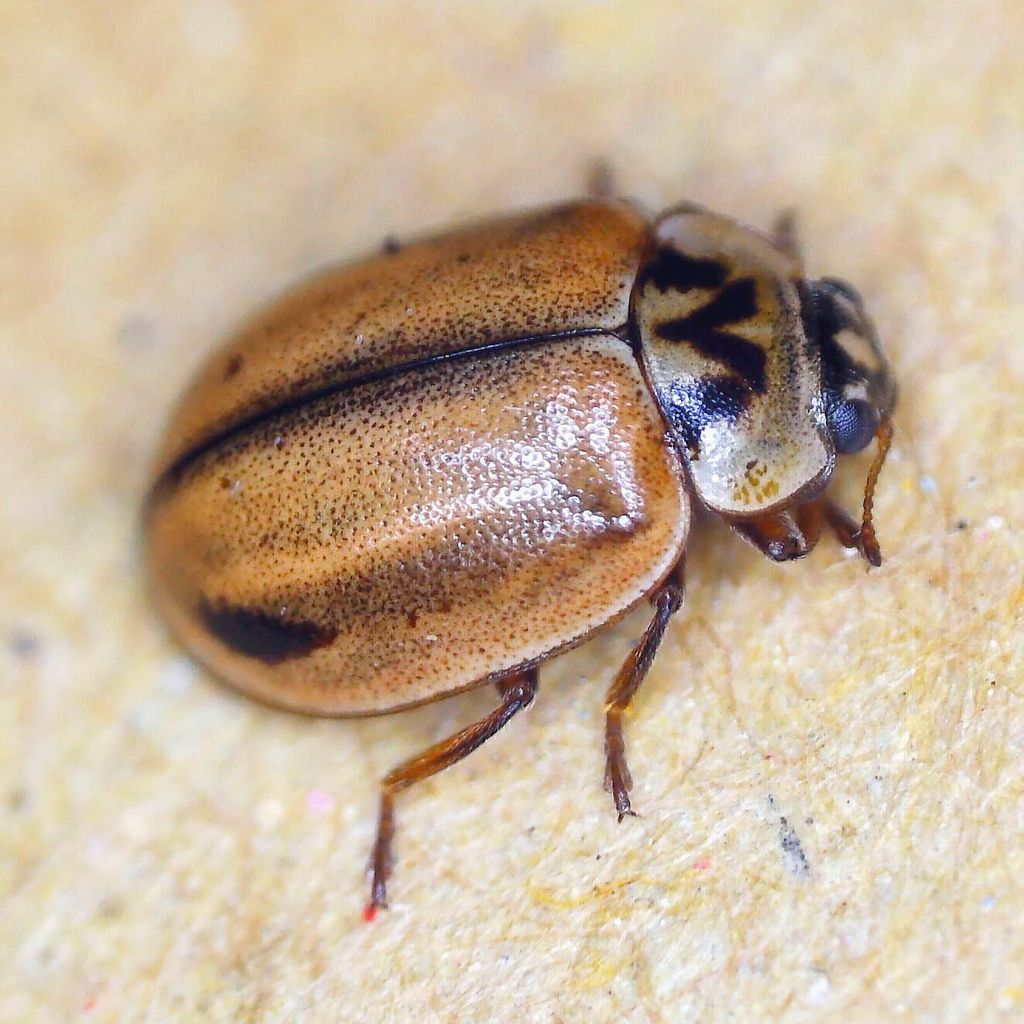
{"x": 828, "y": 761}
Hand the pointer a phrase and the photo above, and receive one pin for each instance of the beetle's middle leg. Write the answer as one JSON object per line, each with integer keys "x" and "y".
{"x": 667, "y": 599}
{"x": 516, "y": 693}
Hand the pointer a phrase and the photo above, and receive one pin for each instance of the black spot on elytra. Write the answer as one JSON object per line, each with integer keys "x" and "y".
{"x": 693, "y": 405}
{"x": 258, "y": 634}
{"x": 671, "y": 269}
{"x": 736, "y": 302}
{"x": 233, "y": 365}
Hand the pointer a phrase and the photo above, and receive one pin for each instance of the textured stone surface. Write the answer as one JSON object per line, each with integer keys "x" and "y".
{"x": 828, "y": 761}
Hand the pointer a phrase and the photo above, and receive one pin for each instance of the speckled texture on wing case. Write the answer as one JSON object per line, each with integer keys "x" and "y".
{"x": 407, "y": 537}
{"x": 558, "y": 269}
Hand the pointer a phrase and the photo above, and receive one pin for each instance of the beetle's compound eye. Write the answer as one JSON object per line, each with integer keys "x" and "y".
{"x": 857, "y": 385}
{"x": 852, "y": 423}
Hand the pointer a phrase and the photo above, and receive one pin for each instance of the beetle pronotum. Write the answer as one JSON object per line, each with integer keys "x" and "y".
{"x": 443, "y": 465}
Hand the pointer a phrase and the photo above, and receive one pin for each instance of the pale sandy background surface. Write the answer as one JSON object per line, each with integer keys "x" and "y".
{"x": 828, "y": 761}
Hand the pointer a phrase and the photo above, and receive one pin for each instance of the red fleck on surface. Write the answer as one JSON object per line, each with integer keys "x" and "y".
{"x": 89, "y": 1005}
{"x": 702, "y": 864}
{"x": 319, "y": 801}
{"x": 369, "y": 913}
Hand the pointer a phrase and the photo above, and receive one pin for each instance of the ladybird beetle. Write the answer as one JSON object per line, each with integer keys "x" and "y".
{"x": 443, "y": 465}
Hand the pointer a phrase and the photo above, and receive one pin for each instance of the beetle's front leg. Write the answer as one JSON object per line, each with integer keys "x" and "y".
{"x": 516, "y": 692}
{"x": 850, "y": 533}
{"x": 667, "y": 599}
{"x": 785, "y": 535}
{"x": 844, "y": 526}
{"x": 793, "y": 533}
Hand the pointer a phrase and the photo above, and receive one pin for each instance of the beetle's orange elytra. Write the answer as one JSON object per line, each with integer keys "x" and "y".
{"x": 443, "y": 465}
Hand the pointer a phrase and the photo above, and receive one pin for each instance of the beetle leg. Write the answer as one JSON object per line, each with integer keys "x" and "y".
{"x": 811, "y": 517}
{"x": 826, "y": 511}
{"x": 793, "y": 533}
{"x": 782, "y": 536}
{"x": 516, "y": 692}
{"x": 848, "y": 531}
{"x": 667, "y": 600}
{"x": 863, "y": 537}
{"x": 843, "y": 525}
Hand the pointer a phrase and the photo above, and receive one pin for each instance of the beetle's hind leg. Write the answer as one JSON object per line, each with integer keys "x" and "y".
{"x": 667, "y": 599}
{"x": 516, "y": 692}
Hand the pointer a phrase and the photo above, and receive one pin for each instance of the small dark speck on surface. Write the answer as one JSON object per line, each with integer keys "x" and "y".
{"x": 137, "y": 332}
{"x": 962, "y": 524}
{"x": 17, "y": 799}
{"x": 793, "y": 857}
{"x": 24, "y": 644}
{"x": 110, "y": 908}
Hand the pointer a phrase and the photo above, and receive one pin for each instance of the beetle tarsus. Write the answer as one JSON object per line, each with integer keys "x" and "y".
{"x": 381, "y": 859}
{"x": 617, "y": 779}
{"x": 667, "y": 600}
{"x": 517, "y": 692}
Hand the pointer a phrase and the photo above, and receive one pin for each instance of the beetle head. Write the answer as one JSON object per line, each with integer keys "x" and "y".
{"x": 858, "y": 388}
{"x": 763, "y": 376}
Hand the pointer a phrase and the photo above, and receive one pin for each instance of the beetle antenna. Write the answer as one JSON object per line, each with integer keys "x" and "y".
{"x": 786, "y": 234}
{"x": 867, "y": 541}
